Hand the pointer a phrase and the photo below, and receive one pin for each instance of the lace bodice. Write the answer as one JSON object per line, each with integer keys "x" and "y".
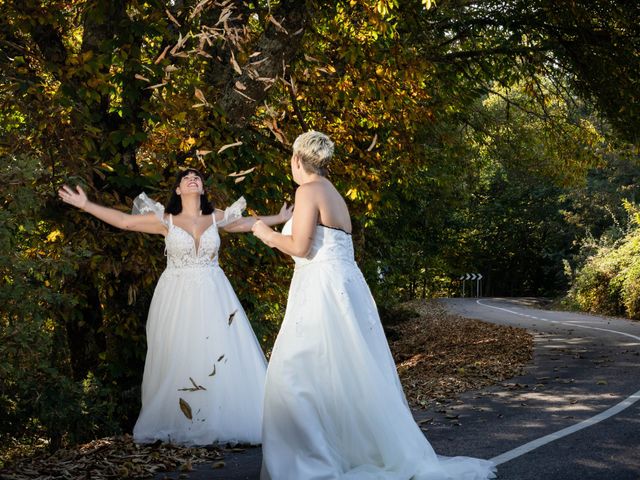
{"x": 182, "y": 251}
{"x": 328, "y": 244}
{"x": 180, "y": 246}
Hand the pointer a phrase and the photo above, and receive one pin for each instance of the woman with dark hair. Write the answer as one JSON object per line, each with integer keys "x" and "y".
{"x": 204, "y": 373}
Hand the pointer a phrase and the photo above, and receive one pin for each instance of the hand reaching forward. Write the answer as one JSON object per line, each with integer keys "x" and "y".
{"x": 262, "y": 231}
{"x": 285, "y": 212}
{"x": 76, "y": 197}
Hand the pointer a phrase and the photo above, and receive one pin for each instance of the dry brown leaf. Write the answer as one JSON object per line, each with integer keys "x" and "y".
{"x": 162, "y": 55}
{"x": 373, "y": 142}
{"x": 186, "y": 409}
{"x": 241, "y": 173}
{"x": 200, "y": 96}
{"x": 245, "y": 96}
{"x": 172, "y": 18}
{"x": 157, "y": 85}
{"x": 233, "y": 314}
{"x": 235, "y": 65}
{"x": 240, "y": 85}
{"x": 140, "y": 77}
{"x": 229, "y": 145}
{"x": 239, "y": 179}
{"x": 278, "y": 26}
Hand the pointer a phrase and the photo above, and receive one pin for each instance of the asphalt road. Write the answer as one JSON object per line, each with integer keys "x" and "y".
{"x": 573, "y": 415}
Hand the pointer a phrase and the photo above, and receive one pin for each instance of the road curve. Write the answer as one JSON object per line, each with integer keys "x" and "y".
{"x": 575, "y": 413}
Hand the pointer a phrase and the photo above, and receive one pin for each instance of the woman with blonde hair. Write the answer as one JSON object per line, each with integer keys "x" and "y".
{"x": 334, "y": 406}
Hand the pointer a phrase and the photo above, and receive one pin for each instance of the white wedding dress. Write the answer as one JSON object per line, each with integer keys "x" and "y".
{"x": 203, "y": 359}
{"x": 334, "y": 406}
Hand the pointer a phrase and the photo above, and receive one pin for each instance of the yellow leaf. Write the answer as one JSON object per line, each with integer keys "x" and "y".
{"x": 53, "y": 236}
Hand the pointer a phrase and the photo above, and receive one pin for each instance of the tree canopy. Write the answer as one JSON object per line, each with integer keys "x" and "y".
{"x": 489, "y": 135}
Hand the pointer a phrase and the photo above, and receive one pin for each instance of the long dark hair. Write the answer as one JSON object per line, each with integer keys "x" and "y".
{"x": 174, "y": 207}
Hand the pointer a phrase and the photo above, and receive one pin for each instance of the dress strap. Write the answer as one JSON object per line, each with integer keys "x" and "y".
{"x": 213, "y": 216}
{"x": 170, "y": 220}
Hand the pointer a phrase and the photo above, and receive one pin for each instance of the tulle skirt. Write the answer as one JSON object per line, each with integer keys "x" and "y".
{"x": 204, "y": 373}
{"x": 334, "y": 405}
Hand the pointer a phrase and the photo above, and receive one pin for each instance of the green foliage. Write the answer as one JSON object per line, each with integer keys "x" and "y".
{"x": 464, "y": 131}
{"x": 609, "y": 281}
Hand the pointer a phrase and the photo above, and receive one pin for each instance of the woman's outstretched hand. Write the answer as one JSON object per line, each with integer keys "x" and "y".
{"x": 262, "y": 231}
{"x": 75, "y": 197}
{"x": 286, "y": 212}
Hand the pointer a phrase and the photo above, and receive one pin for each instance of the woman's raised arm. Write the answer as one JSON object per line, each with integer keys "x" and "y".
{"x": 148, "y": 223}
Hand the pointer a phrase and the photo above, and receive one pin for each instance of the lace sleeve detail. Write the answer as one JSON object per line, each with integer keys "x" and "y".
{"x": 142, "y": 204}
{"x": 233, "y": 212}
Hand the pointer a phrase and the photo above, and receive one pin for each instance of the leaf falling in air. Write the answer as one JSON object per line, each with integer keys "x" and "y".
{"x": 200, "y": 96}
{"x": 186, "y": 409}
{"x": 198, "y": 8}
{"x": 162, "y": 55}
{"x": 176, "y": 47}
{"x": 172, "y": 18}
{"x": 373, "y": 142}
{"x": 239, "y": 179}
{"x": 245, "y": 96}
{"x": 278, "y": 26}
{"x": 203, "y": 152}
{"x": 224, "y": 16}
{"x": 157, "y": 85}
{"x": 220, "y": 357}
{"x": 235, "y": 65}
{"x": 233, "y": 314}
{"x": 241, "y": 173}
{"x": 140, "y": 77}
{"x": 213, "y": 372}
{"x": 229, "y": 145}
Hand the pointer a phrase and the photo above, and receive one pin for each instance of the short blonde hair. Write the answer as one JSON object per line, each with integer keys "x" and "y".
{"x": 315, "y": 150}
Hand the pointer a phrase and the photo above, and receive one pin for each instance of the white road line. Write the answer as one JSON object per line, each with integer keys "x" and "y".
{"x": 528, "y": 447}
{"x": 569, "y": 324}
